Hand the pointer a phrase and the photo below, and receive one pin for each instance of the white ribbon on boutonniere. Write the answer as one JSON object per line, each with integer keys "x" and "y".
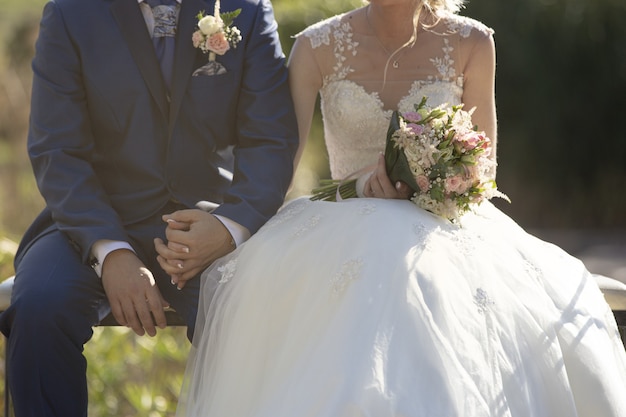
{"x": 215, "y": 36}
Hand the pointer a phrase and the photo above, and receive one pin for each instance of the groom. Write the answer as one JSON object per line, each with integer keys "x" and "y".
{"x": 117, "y": 144}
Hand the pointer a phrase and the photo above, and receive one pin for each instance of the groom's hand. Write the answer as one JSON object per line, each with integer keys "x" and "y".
{"x": 195, "y": 239}
{"x": 134, "y": 297}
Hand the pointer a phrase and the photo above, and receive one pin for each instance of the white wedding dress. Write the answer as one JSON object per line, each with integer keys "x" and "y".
{"x": 376, "y": 308}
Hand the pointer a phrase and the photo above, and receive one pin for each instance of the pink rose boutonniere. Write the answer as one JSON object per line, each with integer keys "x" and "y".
{"x": 215, "y": 35}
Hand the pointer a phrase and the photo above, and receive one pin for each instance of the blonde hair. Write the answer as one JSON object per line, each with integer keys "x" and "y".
{"x": 435, "y": 7}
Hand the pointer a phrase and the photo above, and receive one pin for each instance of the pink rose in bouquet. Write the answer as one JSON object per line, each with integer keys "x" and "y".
{"x": 446, "y": 162}
{"x": 423, "y": 183}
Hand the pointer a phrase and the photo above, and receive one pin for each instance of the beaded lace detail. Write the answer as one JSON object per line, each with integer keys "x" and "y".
{"x": 355, "y": 120}
{"x": 309, "y": 224}
{"x": 287, "y": 213}
{"x": 482, "y": 300}
{"x": 464, "y": 25}
{"x": 367, "y": 208}
{"x": 228, "y": 271}
{"x": 349, "y": 271}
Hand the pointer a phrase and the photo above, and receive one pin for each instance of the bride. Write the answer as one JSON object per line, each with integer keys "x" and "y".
{"x": 375, "y": 307}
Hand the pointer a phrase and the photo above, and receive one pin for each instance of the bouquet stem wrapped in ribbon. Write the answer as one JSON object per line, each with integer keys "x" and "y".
{"x": 440, "y": 154}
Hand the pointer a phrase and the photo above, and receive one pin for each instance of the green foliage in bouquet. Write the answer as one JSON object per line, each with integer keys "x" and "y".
{"x": 397, "y": 165}
{"x": 328, "y": 190}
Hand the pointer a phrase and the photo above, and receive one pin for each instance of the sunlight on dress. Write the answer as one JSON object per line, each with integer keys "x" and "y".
{"x": 376, "y": 308}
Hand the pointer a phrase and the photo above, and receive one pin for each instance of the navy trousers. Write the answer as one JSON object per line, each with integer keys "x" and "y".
{"x": 56, "y": 301}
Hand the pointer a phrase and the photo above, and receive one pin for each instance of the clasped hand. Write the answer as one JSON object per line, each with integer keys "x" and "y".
{"x": 195, "y": 239}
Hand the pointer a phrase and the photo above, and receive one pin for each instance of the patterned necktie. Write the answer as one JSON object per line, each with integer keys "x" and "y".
{"x": 163, "y": 36}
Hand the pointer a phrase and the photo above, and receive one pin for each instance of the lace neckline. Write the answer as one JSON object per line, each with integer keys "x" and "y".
{"x": 407, "y": 100}
{"x": 338, "y": 33}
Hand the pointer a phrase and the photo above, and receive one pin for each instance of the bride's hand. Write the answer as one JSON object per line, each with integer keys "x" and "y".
{"x": 195, "y": 239}
{"x": 378, "y": 185}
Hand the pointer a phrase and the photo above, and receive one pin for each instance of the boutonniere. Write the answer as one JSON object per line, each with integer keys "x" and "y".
{"x": 215, "y": 36}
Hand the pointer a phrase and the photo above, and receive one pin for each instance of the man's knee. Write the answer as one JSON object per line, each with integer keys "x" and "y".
{"x": 53, "y": 288}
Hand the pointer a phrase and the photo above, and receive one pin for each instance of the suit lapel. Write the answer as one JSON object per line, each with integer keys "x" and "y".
{"x": 185, "y": 54}
{"x": 133, "y": 28}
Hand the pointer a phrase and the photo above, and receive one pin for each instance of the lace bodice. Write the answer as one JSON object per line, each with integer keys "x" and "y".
{"x": 356, "y": 107}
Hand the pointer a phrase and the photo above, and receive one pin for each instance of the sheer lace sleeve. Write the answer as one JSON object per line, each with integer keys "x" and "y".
{"x": 333, "y": 42}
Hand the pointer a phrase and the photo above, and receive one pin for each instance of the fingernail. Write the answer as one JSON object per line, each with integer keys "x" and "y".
{"x": 180, "y": 266}
{"x": 186, "y": 250}
{"x": 169, "y": 220}
{"x": 172, "y": 282}
{"x": 398, "y": 185}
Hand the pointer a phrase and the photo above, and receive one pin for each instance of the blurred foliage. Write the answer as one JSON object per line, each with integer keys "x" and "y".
{"x": 7, "y": 251}
{"x": 561, "y": 82}
{"x": 130, "y": 375}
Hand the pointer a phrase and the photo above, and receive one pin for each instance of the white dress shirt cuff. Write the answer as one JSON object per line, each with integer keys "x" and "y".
{"x": 102, "y": 248}
{"x": 239, "y": 233}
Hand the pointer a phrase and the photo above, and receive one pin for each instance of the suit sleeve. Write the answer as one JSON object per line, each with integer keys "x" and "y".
{"x": 60, "y": 140}
{"x": 266, "y": 126}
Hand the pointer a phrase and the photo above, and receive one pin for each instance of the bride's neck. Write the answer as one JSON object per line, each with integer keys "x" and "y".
{"x": 392, "y": 22}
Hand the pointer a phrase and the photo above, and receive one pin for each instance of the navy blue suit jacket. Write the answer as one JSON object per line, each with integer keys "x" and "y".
{"x": 110, "y": 146}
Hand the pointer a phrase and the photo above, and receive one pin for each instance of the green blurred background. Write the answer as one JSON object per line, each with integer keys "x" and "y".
{"x": 561, "y": 85}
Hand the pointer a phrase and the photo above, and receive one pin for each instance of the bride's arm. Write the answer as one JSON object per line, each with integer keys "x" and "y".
{"x": 305, "y": 81}
{"x": 479, "y": 86}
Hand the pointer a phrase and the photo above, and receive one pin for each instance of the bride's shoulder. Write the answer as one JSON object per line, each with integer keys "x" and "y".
{"x": 464, "y": 26}
{"x": 323, "y": 32}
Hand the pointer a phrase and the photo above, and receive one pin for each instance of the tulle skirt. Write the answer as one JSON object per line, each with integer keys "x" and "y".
{"x": 376, "y": 308}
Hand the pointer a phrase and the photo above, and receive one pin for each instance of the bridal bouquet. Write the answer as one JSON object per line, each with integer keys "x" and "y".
{"x": 437, "y": 152}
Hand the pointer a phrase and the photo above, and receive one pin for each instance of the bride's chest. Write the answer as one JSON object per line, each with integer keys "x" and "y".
{"x": 349, "y": 108}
